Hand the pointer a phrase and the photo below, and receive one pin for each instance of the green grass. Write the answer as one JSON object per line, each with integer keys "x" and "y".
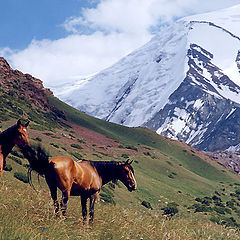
{"x": 156, "y": 157}
{"x": 37, "y": 221}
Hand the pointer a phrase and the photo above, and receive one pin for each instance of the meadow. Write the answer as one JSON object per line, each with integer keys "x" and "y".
{"x": 169, "y": 173}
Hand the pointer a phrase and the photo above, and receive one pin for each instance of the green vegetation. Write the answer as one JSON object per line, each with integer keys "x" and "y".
{"x": 77, "y": 146}
{"x": 21, "y": 176}
{"x": 172, "y": 181}
{"x": 171, "y": 209}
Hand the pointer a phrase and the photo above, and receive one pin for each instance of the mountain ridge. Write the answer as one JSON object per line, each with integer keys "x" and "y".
{"x": 138, "y": 88}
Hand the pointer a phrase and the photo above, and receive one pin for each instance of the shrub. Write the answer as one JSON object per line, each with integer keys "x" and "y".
{"x": 7, "y": 167}
{"x": 77, "y": 155}
{"x": 17, "y": 154}
{"x": 132, "y": 148}
{"x": 27, "y": 165}
{"x": 147, "y": 154}
{"x": 38, "y": 139}
{"x": 54, "y": 145}
{"x": 170, "y": 176}
{"x": 219, "y": 210}
{"x": 171, "y": 209}
{"x": 107, "y": 198}
{"x": 17, "y": 160}
{"x": 216, "y": 198}
{"x": 124, "y": 155}
{"x": 202, "y": 208}
{"x": 21, "y": 176}
{"x": 81, "y": 141}
{"x": 147, "y": 204}
{"x": 76, "y": 146}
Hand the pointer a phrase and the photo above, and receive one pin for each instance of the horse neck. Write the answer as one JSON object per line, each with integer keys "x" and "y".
{"x": 108, "y": 171}
{"x": 7, "y": 140}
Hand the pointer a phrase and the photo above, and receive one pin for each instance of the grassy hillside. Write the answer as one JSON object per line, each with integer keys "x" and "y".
{"x": 166, "y": 171}
{"x": 29, "y": 215}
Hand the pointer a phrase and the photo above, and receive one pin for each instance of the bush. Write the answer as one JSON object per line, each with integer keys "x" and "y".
{"x": 107, "y": 198}
{"x": 219, "y": 210}
{"x": 132, "y": 148}
{"x": 76, "y": 146}
{"x": 17, "y": 160}
{"x": 171, "y": 209}
{"x": 17, "y": 154}
{"x": 124, "y": 155}
{"x": 81, "y": 141}
{"x": 77, "y": 155}
{"x": 38, "y": 139}
{"x": 21, "y": 176}
{"x": 170, "y": 176}
{"x": 147, "y": 154}
{"x": 7, "y": 167}
{"x": 147, "y": 204}
{"x": 54, "y": 145}
{"x": 202, "y": 209}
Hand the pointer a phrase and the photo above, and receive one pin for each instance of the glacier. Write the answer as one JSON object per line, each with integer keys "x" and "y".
{"x": 181, "y": 84}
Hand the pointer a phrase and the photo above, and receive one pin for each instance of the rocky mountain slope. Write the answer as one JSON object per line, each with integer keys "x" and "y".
{"x": 24, "y": 85}
{"x": 183, "y": 84}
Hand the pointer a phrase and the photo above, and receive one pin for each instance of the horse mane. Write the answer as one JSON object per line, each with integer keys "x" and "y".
{"x": 7, "y": 134}
{"x": 37, "y": 158}
{"x": 106, "y": 168}
{"x": 103, "y": 164}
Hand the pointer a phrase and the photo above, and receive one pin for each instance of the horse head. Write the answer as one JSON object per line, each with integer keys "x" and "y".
{"x": 127, "y": 175}
{"x": 21, "y": 137}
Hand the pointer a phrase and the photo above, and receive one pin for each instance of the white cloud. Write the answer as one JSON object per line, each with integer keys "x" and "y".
{"x": 115, "y": 27}
{"x": 63, "y": 60}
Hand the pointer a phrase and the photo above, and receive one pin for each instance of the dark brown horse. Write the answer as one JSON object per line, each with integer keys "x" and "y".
{"x": 15, "y": 135}
{"x": 83, "y": 178}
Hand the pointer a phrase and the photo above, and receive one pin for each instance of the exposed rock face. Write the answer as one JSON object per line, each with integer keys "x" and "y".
{"x": 230, "y": 160}
{"x": 238, "y": 60}
{"x": 199, "y": 112}
{"x": 24, "y": 85}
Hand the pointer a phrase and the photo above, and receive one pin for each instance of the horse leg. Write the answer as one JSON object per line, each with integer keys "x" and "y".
{"x": 1, "y": 164}
{"x": 91, "y": 208}
{"x": 65, "y": 197}
{"x": 84, "y": 208}
{"x": 52, "y": 184}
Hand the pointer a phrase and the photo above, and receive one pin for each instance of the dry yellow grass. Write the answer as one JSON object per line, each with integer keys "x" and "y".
{"x": 26, "y": 214}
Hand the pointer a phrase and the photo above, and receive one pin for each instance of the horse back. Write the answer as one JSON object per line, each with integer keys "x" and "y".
{"x": 63, "y": 168}
{"x": 75, "y": 177}
{"x": 87, "y": 179}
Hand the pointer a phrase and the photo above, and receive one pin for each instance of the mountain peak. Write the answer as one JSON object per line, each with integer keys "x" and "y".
{"x": 227, "y": 18}
{"x": 182, "y": 84}
{"x": 4, "y": 66}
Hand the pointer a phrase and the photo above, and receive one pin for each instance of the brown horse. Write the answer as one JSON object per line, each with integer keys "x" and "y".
{"x": 83, "y": 178}
{"x": 15, "y": 135}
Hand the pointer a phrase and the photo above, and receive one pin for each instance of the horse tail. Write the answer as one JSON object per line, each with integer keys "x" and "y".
{"x": 37, "y": 158}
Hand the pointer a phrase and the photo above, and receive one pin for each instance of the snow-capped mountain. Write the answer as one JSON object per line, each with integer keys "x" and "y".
{"x": 184, "y": 83}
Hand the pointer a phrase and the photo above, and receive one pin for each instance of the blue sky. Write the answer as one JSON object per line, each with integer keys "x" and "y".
{"x": 24, "y": 20}
{"x": 59, "y": 41}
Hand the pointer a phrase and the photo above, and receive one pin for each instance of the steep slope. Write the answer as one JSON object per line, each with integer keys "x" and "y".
{"x": 184, "y": 83}
{"x": 166, "y": 170}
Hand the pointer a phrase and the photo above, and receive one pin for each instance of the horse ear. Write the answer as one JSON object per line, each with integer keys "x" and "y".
{"x": 131, "y": 162}
{"x": 27, "y": 123}
{"x": 128, "y": 162}
{"x": 19, "y": 123}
